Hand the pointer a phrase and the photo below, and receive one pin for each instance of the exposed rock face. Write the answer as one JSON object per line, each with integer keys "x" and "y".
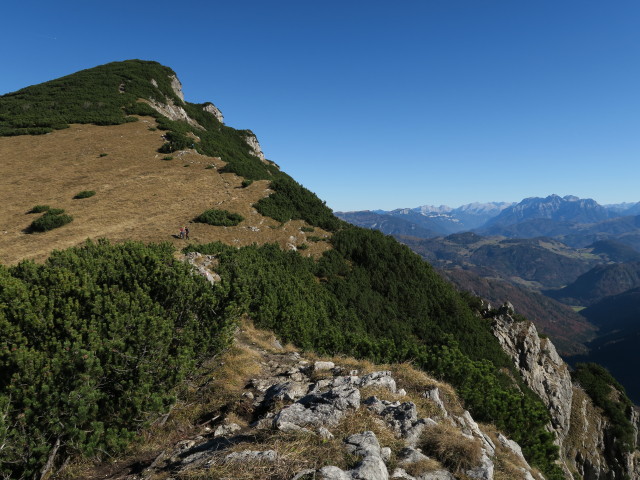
{"x": 584, "y": 434}
{"x": 540, "y": 365}
{"x": 173, "y": 111}
{"x": 213, "y": 110}
{"x": 252, "y": 141}
{"x": 177, "y": 87}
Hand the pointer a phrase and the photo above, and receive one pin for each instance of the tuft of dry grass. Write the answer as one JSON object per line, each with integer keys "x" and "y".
{"x": 421, "y": 467}
{"x": 447, "y": 444}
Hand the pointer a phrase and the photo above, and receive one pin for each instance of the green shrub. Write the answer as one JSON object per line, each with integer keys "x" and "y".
{"x": 291, "y": 201}
{"x": 307, "y": 229}
{"x": 303, "y": 246}
{"x": 55, "y": 211}
{"x": 175, "y": 141}
{"x": 84, "y": 194}
{"x": 103, "y": 155}
{"x": 39, "y": 209}
{"x": 246, "y": 183}
{"x": 49, "y": 221}
{"x": 93, "y": 345}
{"x": 219, "y": 218}
{"x": 167, "y": 157}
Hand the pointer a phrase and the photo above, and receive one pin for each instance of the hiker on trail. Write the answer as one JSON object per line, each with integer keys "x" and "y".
{"x": 181, "y": 232}
{"x": 186, "y": 232}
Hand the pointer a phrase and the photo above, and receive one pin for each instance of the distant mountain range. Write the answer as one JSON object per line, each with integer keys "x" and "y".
{"x": 575, "y": 221}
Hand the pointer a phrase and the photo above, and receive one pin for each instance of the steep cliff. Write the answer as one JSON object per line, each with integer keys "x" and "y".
{"x": 590, "y": 445}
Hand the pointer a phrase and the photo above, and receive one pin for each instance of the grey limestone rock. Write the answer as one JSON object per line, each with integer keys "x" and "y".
{"x": 541, "y": 367}
{"x": 433, "y": 394}
{"x": 226, "y": 430}
{"x": 484, "y": 471}
{"x": 213, "y": 110}
{"x": 382, "y": 379}
{"x": 253, "y": 143}
{"x": 247, "y": 456}
{"x": 324, "y": 365}
{"x": 333, "y": 473}
{"x": 411, "y": 455}
{"x": 372, "y": 466}
{"x": 401, "y": 417}
{"x": 320, "y": 409}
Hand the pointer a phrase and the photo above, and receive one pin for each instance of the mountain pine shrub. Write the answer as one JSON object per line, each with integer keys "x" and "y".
{"x": 52, "y": 218}
{"x": 93, "y": 344}
{"x": 84, "y": 194}
{"x": 219, "y": 218}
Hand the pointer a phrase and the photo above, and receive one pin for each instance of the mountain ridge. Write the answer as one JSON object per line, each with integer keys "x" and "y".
{"x": 359, "y": 292}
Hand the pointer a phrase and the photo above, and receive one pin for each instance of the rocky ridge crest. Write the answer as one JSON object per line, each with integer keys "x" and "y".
{"x": 304, "y": 417}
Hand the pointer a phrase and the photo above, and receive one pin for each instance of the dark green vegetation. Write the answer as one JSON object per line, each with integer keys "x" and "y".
{"x": 52, "y": 218}
{"x": 372, "y": 297}
{"x": 291, "y": 201}
{"x": 219, "y": 217}
{"x": 93, "y": 343}
{"x": 609, "y": 395}
{"x": 84, "y": 194}
{"x": 40, "y": 209}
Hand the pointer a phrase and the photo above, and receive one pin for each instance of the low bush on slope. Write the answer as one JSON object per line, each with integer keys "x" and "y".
{"x": 372, "y": 297}
{"x": 93, "y": 343}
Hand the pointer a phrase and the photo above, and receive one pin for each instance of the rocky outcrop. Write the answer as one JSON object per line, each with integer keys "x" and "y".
{"x": 213, "y": 110}
{"x": 542, "y": 369}
{"x": 314, "y": 403}
{"x": 176, "y": 86}
{"x": 588, "y": 445}
{"x": 172, "y": 111}
{"x": 253, "y": 143}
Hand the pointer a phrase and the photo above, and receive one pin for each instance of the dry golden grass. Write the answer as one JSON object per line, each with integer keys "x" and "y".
{"x": 447, "y": 444}
{"x": 264, "y": 339}
{"x": 139, "y": 196}
{"x": 421, "y": 467}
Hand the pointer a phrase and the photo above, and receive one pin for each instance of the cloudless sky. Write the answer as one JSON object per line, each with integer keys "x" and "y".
{"x": 379, "y": 104}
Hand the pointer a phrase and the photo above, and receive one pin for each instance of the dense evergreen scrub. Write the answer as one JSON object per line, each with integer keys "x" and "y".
{"x": 608, "y": 394}
{"x": 52, "y": 218}
{"x": 291, "y": 201}
{"x": 372, "y": 297}
{"x": 93, "y": 343}
{"x": 219, "y": 217}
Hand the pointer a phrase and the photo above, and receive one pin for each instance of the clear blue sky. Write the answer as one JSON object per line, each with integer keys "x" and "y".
{"x": 379, "y": 104}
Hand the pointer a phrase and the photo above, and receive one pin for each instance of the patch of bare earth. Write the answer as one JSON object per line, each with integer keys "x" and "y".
{"x": 139, "y": 195}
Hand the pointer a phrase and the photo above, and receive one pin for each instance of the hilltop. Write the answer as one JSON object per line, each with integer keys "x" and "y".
{"x": 104, "y": 338}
